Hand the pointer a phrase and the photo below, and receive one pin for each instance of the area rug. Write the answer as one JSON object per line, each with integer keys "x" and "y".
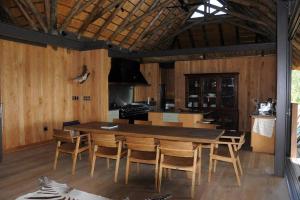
{"x": 49, "y": 189}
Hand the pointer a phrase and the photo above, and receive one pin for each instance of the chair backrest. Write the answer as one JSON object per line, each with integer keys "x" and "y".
{"x": 121, "y": 121}
{"x": 141, "y": 144}
{"x": 62, "y": 136}
{"x": 205, "y": 125}
{"x": 70, "y": 123}
{"x": 142, "y": 122}
{"x": 175, "y": 124}
{"x": 104, "y": 139}
{"x": 176, "y": 148}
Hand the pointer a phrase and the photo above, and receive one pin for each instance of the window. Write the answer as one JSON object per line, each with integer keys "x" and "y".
{"x": 201, "y": 10}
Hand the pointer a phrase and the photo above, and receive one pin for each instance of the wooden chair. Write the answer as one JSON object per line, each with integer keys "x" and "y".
{"x": 142, "y": 150}
{"x": 175, "y": 124}
{"x": 178, "y": 155}
{"x": 107, "y": 145}
{"x": 142, "y": 122}
{"x": 231, "y": 154}
{"x": 121, "y": 121}
{"x": 66, "y": 143}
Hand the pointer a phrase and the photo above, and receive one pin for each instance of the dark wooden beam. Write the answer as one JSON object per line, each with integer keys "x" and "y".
{"x": 295, "y": 20}
{"x": 283, "y": 90}
{"x": 247, "y": 27}
{"x": 36, "y": 14}
{"x": 109, "y": 19}
{"x": 26, "y": 15}
{"x": 8, "y": 13}
{"x": 219, "y": 49}
{"x": 27, "y": 36}
{"x": 53, "y": 16}
{"x": 221, "y": 35}
{"x": 205, "y": 38}
{"x": 48, "y": 14}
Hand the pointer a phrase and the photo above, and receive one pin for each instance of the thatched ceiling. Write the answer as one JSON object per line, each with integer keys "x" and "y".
{"x": 148, "y": 24}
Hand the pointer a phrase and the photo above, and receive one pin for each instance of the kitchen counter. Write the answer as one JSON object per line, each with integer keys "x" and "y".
{"x": 263, "y": 133}
{"x": 187, "y": 118}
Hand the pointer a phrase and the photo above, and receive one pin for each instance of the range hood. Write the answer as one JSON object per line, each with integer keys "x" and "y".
{"x": 125, "y": 72}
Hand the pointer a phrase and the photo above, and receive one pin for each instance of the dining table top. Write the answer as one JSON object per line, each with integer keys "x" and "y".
{"x": 197, "y": 135}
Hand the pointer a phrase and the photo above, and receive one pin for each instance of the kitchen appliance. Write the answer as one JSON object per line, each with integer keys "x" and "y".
{"x": 125, "y": 72}
{"x": 134, "y": 111}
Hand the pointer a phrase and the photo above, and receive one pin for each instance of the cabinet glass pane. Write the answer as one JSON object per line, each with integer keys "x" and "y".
{"x": 209, "y": 93}
{"x": 193, "y": 96}
{"x": 227, "y": 92}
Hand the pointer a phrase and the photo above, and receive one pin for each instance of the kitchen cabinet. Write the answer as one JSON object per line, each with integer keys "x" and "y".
{"x": 214, "y": 94}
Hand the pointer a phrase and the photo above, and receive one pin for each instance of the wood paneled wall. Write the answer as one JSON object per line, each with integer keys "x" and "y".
{"x": 151, "y": 73}
{"x": 257, "y": 80}
{"x": 168, "y": 78}
{"x": 36, "y": 90}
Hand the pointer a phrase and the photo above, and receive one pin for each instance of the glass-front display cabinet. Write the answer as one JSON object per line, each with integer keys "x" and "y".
{"x": 216, "y": 95}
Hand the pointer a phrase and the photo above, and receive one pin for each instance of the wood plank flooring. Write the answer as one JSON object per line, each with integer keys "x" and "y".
{"x": 20, "y": 170}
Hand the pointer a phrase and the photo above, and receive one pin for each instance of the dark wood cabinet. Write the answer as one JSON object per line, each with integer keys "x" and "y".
{"x": 216, "y": 95}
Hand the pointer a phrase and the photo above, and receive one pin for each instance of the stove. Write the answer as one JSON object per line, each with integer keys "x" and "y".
{"x": 134, "y": 111}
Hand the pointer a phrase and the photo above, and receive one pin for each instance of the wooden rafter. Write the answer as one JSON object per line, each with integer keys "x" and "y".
{"x": 127, "y": 19}
{"x": 26, "y": 15}
{"x": 36, "y": 14}
{"x": 141, "y": 36}
{"x": 109, "y": 19}
{"x": 97, "y": 13}
{"x": 79, "y": 6}
{"x": 48, "y": 13}
{"x": 53, "y": 16}
{"x": 153, "y": 10}
{"x": 8, "y": 13}
{"x": 237, "y": 14}
{"x": 247, "y": 27}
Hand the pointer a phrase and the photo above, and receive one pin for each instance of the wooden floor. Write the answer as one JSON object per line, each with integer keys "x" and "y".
{"x": 20, "y": 170}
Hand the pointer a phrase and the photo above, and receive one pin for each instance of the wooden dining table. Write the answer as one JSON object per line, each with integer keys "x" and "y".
{"x": 196, "y": 135}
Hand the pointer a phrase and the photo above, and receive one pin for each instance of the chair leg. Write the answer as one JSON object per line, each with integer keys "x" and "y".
{"x": 160, "y": 177}
{"x": 127, "y": 167}
{"x": 193, "y": 183}
{"x": 74, "y": 162}
{"x": 210, "y": 162}
{"x": 79, "y": 156}
{"x": 215, "y": 166}
{"x": 156, "y": 176}
{"x": 239, "y": 164}
{"x": 199, "y": 164}
{"x": 93, "y": 164}
{"x": 236, "y": 172}
{"x": 55, "y": 159}
{"x": 107, "y": 163}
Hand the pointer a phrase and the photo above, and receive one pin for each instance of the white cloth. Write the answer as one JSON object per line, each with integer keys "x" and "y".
{"x": 264, "y": 126}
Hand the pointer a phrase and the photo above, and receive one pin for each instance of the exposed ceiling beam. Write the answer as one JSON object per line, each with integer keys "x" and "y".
{"x": 149, "y": 12}
{"x": 219, "y": 49}
{"x": 295, "y": 20}
{"x": 97, "y": 12}
{"x": 53, "y": 16}
{"x": 247, "y": 27}
{"x": 236, "y": 14}
{"x": 36, "y": 14}
{"x": 126, "y": 20}
{"x": 141, "y": 36}
{"x": 109, "y": 19}
{"x": 26, "y": 15}
{"x": 48, "y": 14}
{"x": 8, "y": 13}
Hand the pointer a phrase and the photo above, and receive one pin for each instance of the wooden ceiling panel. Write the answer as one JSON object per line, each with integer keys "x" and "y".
{"x": 132, "y": 19}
